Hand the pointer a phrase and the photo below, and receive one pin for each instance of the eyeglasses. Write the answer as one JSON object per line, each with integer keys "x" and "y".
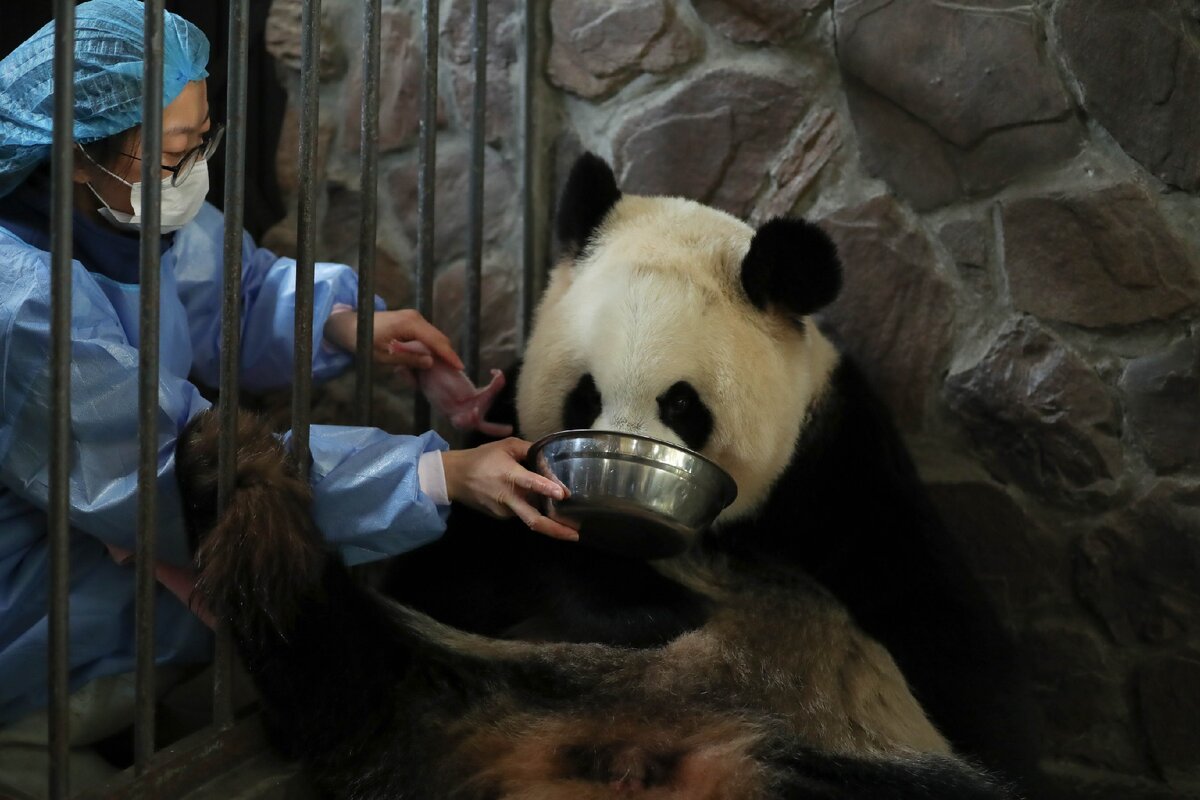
{"x": 201, "y": 152}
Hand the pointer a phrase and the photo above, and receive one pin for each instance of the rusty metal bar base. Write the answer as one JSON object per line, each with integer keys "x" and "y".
{"x": 148, "y": 362}
{"x": 426, "y": 176}
{"x": 62, "y": 167}
{"x": 528, "y": 153}
{"x": 306, "y": 231}
{"x": 474, "y": 276}
{"x": 188, "y": 764}
{"x": 235, "y": 203}
{"x": 364, "y": 347}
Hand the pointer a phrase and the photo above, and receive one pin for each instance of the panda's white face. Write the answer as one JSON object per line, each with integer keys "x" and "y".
{"x": 649, "y": 331}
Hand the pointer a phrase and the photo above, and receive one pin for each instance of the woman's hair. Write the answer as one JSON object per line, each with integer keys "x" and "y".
{"x": 109, "y": 46}
{"x": 109, "y": 151}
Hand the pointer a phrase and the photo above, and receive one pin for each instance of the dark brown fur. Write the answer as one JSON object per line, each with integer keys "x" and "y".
{"x": 265, "y": 553}
{"x": 380, "y": 701}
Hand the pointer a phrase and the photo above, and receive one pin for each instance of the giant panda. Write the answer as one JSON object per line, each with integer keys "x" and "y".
{"x": 754, "y": 665}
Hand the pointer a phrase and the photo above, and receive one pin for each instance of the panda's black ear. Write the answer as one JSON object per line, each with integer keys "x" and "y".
{"x": 589, "y": 195}
{"x": 792, "y": 264}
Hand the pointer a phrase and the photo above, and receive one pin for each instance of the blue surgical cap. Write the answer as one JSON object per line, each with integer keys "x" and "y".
{"x": 109, "y": 62}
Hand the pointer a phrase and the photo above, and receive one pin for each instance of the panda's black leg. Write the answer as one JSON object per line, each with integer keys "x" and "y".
{"x": 483, "y": 575}
{"x": 523, "y": 585}
{"x": 606, "y": 599}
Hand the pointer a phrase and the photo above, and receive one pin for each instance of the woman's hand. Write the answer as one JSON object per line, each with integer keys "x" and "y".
{"x": 405, "y": 325}
{"x": 490, "y": 478}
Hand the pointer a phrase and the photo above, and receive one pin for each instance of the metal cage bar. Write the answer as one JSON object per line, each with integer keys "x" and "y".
{"x": 474, "y": 276}
{"x": 231, "y": 312}
{"x": 148, "y": 362}
{"x": 369, "y": 188}
{"x": 62, "y": 167}
{"x": 306, "y": 231}
{"x": 528, "y": 150}
{"x": 427, "y": 164}
{"x": 62, "y": 164}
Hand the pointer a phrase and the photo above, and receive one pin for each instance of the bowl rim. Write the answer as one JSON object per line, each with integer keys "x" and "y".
{"x": 726, "y": 480}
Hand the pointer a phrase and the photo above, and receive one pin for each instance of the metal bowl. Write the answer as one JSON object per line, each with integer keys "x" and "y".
{"x": 629, "y": 494}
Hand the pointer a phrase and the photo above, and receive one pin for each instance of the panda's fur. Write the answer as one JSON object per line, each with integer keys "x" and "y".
{"x": 556, "y": 671}
{"x": 641, "y": 311}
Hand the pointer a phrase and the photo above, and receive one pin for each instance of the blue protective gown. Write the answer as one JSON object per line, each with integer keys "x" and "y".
{"x": 367, "y": 498}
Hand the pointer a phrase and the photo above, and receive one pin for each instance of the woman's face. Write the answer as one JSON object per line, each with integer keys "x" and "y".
{"x": 185, "y": 122}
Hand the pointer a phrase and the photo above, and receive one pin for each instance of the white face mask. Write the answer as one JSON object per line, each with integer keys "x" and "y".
{"x": 180, "y": 204}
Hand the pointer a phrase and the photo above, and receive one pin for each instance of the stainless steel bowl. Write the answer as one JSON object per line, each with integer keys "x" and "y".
{"x": 629, "y": 494}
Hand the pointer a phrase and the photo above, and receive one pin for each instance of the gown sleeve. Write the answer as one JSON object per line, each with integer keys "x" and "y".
{"x": 367, "y": 498}
{"x": 268, "y": 306}
{"x": 103, "y": 447}
{"x": 366, "y": 494}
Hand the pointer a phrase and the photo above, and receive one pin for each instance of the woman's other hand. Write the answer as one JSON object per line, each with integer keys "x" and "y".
{"x": 491, "y": 479}
{"x": 404, "y": 325}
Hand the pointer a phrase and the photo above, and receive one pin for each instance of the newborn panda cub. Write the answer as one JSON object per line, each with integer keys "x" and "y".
{"x": 508, "y": 665}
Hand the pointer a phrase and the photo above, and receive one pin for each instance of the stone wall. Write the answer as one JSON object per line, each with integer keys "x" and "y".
{"x": 1013, "y": 185}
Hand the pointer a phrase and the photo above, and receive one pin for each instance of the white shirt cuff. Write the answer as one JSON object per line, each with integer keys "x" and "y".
{"x": 432, "y": 477}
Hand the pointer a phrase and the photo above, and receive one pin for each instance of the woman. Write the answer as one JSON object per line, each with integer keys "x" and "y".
{"x": 375, "y": 494}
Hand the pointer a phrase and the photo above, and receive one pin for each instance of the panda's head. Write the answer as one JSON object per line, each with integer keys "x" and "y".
{"x": 671, "y": 319}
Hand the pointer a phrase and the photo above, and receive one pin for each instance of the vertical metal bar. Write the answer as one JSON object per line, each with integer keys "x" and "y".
{"x": 475, "y": 229}
{"x": 306, "y": 245}
{"x": 62, "y": 167}
{"x": 528, "y": 152}
{"x": 427, "y": 163}
{"x": 151, "y": 244}
{"x": 367, "y": 230}
{"x": 231, "y": 313}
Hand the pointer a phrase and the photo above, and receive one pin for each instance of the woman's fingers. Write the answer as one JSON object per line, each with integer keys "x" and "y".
{"x": 536, "y": 483}
{"x": 540, "y": 523}
{"x": 491, "y": 479}
{"x": 405, "y": 325}
{"x": 436, "y": 341}
{"x": 524, "y": 481}
{"x": 551, "y": 487}
{"x": 408, "y": 326}
{"x": 517, "y": 448}
{"x": 424, "y": 332}
{"x": 403, "y": 358}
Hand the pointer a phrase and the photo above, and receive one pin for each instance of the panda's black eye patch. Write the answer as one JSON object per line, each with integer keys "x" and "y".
{"x": 681, "y": 409}
{"x": 582, "y": 406}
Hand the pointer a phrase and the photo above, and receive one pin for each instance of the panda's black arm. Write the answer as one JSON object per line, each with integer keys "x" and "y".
{"x": 595, "y": 597}
{"x": 851, "y": 512}
{"x": 481, "y": 576}
{"x": 494, "y": 577}
{"x": 497, "y": 578}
